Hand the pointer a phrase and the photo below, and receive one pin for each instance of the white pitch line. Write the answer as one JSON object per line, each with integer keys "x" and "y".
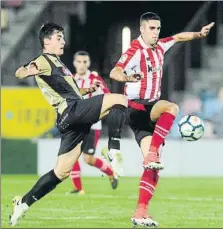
{"x": 193, "y": 199}
{"x": 73, "y": 218}
{"x": 109, "y": 196}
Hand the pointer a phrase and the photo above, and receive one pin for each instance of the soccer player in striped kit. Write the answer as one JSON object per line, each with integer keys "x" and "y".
{"x": 149, "y": 118}
{"x": 84, "y": 79}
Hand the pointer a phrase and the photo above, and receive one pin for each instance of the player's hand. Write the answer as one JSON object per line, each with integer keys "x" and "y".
{"x": 206, "y": 29}
{"x": 135, "y": 77}
{"x": 32, "y": 69}
{"x": 93, "y": 87}
{"x": 97, "y": 83}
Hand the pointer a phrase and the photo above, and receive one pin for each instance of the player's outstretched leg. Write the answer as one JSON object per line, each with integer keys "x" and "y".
{"x": 45, "y": 184}
{"x": 147, "y": 188}
{"x": 116, "y": 105}
{"x": 165, "y": 113}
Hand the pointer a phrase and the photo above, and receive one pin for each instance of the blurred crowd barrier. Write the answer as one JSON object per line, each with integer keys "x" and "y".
{"x": 9, "y": 10}
{"x": 26, "y": 114}
{"x": 208, "y": 105}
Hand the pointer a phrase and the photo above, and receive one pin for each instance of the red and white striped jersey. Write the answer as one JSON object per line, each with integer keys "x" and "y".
{"x": 85, "y": 82}
{"x": 140, "y": 58}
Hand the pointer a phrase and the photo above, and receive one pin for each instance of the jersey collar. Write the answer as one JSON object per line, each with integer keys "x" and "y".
{"x": 142, "y": 43}
{"x": 81, "y": 77}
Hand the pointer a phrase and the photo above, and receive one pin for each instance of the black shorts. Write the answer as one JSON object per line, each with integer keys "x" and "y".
{"x": 139, "y": 118}
{"x": 90, "y": 142}
{"x": 76, "y": 121}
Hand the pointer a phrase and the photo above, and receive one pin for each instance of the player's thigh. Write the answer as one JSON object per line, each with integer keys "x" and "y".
{"x": 112, "y": 99}
{"x": 163, "y": 106}
{"x": 66, "y": 161}
{"x": 141, "y": 126}
{"x": 88, "y": 111}
{"x": 70, "y": 150}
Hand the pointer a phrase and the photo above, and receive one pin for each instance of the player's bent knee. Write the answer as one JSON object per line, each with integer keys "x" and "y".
{"x": 173, "y": 108}
{"x": 88, "y": 159}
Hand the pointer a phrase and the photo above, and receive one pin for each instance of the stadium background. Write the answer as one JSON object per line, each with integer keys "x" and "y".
{"x": 193, "y": 75}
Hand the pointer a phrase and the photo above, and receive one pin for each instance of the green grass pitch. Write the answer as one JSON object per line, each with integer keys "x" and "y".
{"x": 178, "y": 203}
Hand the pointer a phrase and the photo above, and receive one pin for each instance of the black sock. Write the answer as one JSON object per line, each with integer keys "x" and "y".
{"x": 116, "y": 120}
{"x": 44, "y": 185}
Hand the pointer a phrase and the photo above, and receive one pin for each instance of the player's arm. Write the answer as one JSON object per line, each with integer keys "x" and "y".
{"x": 38, "y": 66}
{"x": 122, "y": 71}
{"x": 85, "y": 91}
{"x": 24, "y": 72}
{"x": 118, "y": 74}
{"x": 188, "y": 36}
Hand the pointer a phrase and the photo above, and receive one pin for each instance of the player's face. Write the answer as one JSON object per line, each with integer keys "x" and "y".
{"x": 81, "y": 64}
{"x": 56, "y": 43}
{"x": 150, "y": 31}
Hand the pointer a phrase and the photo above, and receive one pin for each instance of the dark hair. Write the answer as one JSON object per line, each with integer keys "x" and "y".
{"x": 47, "y": 30}
{"x": 149, "y": 16}
{"x": 81, "y": 53}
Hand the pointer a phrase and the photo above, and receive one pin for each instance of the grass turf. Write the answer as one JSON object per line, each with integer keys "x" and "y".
{"x": 178, "y": 202}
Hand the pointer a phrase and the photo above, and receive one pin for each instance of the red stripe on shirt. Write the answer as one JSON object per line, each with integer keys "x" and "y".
{"x": 130, "y": 53}
{"x": 154, "y": 74}
{"x": 143, "y": 68}
{"x": 161, "y": 49}
{"x": 161, "y": 71}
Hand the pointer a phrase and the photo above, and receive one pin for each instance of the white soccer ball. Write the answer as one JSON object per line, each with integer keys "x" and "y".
{"x": 191, "y": 127}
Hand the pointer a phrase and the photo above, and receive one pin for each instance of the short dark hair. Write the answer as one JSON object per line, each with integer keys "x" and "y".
{"x": 149, "y": 16}
{"x": 81, "y": 53}
{"x": 47, "y": 30}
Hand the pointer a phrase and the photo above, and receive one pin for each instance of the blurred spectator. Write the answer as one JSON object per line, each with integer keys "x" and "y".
{"x": 16, "y": 4}
{"x": 217, "y": 121}
{"x": 208, "y": 129}
{"x": 7, "y": 6}
{"x": 220, "y": 95}
{"x": 191, "y": 105}
{"x": 4, "y": 19}
{"x": 211, "y": 105}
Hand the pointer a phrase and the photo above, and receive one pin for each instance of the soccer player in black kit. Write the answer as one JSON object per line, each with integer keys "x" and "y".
{"x": 75, "y": 115}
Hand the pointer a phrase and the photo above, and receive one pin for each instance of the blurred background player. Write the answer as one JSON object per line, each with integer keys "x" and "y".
{"x": 150, "y": 118}
{"x": 84, "y": 78}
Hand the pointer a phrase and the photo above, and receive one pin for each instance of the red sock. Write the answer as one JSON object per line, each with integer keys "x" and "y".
{"x": 147, "y": 187}
{"x": 76, "y": 176}
{"x": 162, "y": 128}
{"x": 104, "y": 167}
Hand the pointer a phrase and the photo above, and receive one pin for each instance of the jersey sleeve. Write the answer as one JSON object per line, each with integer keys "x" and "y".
{"x": 166, "y": 43}
{"x": 42, "y": 64}
{"x": 129, "y": 59}
{"x": 104, "y": 88}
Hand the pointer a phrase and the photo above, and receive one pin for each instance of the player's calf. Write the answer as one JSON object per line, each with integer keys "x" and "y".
{"x": 117, "y": 105}
{"x": 166, "y": 113}
{"x": 47, "y": 182}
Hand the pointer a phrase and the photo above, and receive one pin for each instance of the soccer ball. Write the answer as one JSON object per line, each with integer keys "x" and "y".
{"x": 191, "y": 127}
